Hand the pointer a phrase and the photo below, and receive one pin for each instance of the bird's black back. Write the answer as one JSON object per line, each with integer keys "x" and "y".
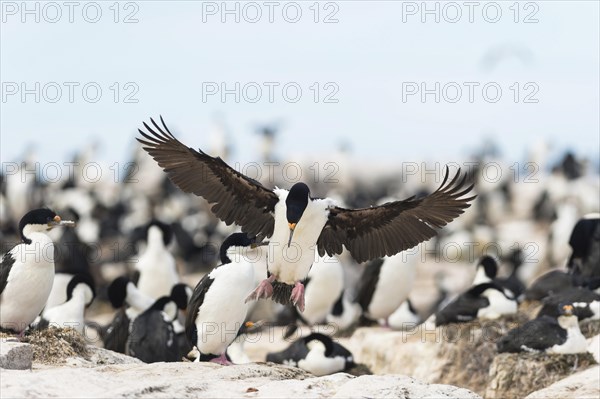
{"x": 116, "y": 333}
{"x": 550, "y": 283}
{"x": 538, "y": 334}
{"x": 152, "y": 339}
{"x": 465, "y": 307}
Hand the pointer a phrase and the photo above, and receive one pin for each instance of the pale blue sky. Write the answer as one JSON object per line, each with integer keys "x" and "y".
{"x": 369, "y": 54}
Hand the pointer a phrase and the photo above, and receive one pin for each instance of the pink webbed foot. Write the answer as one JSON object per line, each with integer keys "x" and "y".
{"x": 264, "y": 290}
{"x": 298, "y": 296}
{"x": 222, "y": 360}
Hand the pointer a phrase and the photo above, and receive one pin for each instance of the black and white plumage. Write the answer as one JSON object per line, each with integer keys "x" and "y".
{"x": 27, "y": 271}
{"x": 513, "y": 283}
{"x": 484, "y": 301}
{"x": 181, "y": 294}
{"x": 585, "y": 243}
{"x": 217, "y": 309}
{"x": 586, "y": 303}
{"x": 80, "y": 293}
{"x": 486, "y": 270}
{"x": 546, "y": 334}
{"x": 156, "y": 265}
{"x": 316, "y": 353}
{"x": 152, "y": 337}
{"x": 294, "y": 217}
{"x": 125, "y": 296}
{"x": 384, "y": 285}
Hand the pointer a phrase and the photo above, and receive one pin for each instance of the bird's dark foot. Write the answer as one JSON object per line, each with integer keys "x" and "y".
{"x": 297, "y": 297}
{"x": 222, "y": 360}
{"x": 264, "y": 290}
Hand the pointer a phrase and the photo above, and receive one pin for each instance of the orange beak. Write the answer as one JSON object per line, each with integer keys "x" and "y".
{"x": 292, "y": 227}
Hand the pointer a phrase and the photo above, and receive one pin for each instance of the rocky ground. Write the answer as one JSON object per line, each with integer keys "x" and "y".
{"x": 457, "y": 363}
{"x": 105, "y": 374}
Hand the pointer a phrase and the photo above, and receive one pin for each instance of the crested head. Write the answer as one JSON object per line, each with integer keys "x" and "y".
{"x": 39, "y": 220}
{"x": 296, "y": 202}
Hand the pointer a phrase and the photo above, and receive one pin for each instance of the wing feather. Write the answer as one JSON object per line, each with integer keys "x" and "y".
{"x": 393, "y": 227}
{"x": 235, "y": 198}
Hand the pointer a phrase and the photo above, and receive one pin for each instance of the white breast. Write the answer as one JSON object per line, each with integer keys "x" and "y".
{"x": 158, "y": 271}
{"x": 575, "y": 343}
{"x": 223, "y": 311}
{"x": 317, "y": 363}
{"x": 395, "y": 283}
{"x": 499, "y": 305}
{"x": 325, "y": 286}
{"x": 29, "y": 282}
{"x": 292, "y": 264}
{"x": 69, "y": 314}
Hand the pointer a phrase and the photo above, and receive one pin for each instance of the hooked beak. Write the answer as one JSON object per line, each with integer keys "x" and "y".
{"x": 57, "y": 221}
{"x": 292, "y": 227}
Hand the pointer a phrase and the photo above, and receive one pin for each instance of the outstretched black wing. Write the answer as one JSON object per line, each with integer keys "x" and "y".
{"x": 237, "y": 198}
{"x": 385, "y": 230}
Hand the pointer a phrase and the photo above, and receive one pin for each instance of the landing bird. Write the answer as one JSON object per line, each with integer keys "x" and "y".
{"x": 27, "y": 271}
{"x": 294, "y": 217}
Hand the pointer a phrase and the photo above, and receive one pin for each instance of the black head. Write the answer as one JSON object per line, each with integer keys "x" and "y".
{"x": 565, "y": 309}
{"x": 179, "y": 295}
{"x": 490, "y": 265}
{"x": 84, "y": 279}
{"x": 117, "y": 291}
{"x": 37, "y": 220}
{"x": 584, "y": 233}
{"x": 234, "y": 240}
{"x": 167, "y": 231}
{"x": 296, "y": 202}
